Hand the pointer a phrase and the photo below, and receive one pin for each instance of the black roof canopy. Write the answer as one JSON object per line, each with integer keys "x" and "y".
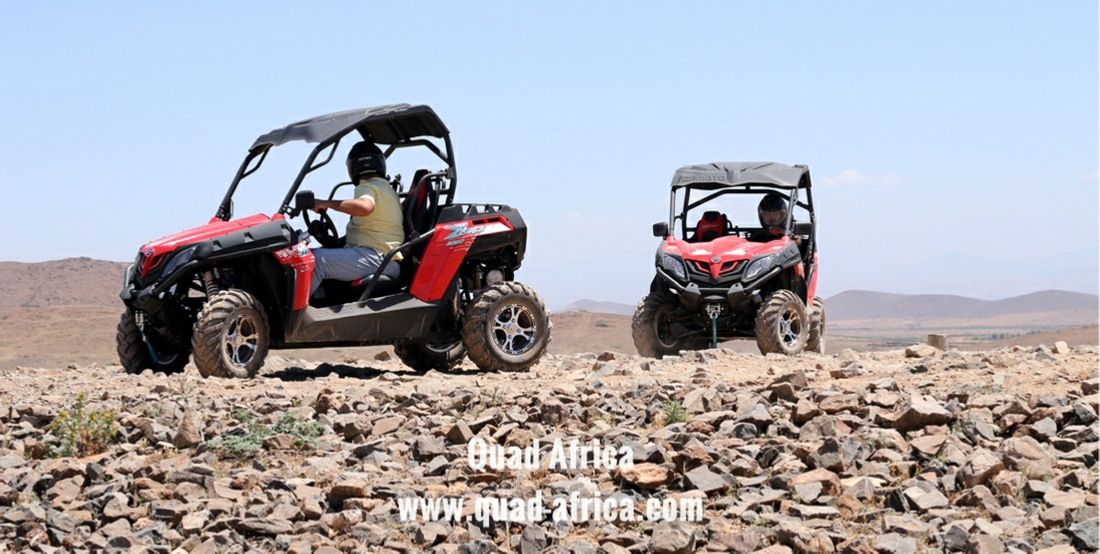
{"x": 718, "y": 175}
{"x": 382, "y": 124}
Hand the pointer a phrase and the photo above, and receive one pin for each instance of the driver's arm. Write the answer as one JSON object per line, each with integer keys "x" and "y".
{"x": 361, "y": 206}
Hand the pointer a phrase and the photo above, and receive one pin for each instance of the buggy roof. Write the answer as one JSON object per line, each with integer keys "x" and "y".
{"x": 719, "y": 175}
{"x": 383, "y": 124}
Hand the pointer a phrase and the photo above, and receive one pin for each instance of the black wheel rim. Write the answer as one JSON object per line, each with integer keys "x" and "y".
{"x": 663, "y": 327}
{"x": 440, "y": 347}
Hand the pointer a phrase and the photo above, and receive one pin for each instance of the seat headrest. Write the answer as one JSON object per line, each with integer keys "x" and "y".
{"x": 712, "y": 216}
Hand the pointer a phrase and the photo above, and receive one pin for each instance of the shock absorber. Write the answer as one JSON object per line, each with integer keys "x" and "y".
{"x": 210, "y": 283}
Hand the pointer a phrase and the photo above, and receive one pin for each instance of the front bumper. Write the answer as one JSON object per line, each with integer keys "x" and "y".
{"x": 737, "y": 295}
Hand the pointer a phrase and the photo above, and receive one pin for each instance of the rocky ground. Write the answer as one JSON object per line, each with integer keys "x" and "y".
{"x": 894, "y": 452}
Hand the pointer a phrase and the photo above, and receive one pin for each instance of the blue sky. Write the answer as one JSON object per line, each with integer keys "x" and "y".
{"x": 954, "y": 146}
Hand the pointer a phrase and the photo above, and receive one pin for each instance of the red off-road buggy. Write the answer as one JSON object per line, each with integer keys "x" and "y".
{"x": 228, "y": 291}
{"x": 717, "y": 280}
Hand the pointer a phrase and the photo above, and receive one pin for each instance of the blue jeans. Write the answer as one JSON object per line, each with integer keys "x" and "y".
{"x": 348, "y": 264}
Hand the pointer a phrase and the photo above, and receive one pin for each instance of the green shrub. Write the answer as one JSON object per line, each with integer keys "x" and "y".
{"x": 82, "y": 432}
{"x": 674, "y": 412}
{"x": 304, "y": 433}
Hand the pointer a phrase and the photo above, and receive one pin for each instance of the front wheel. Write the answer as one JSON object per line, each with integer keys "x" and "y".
{"x": 815, "y": 342}
{"x": 507, "y": 328}
{"x": 652, "y": 332}
{"x": 231, "y": 336}
{"x": 136, "y": 354}
{"x": 428, "y": 356}
{"x": 781, "y": 324}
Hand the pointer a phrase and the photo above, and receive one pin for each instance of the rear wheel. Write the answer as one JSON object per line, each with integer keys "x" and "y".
{"x": 507, "y": 328}
{"x": 428, "y": 356}
{"x": 231, "y": 336}
{"x": 815, "y": 340}
{"x": 781, "y": 326}
{"x": 651, "y": 332}
{"x": 134, "y": 353}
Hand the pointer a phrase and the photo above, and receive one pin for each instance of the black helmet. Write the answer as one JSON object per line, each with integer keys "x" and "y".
{"x": 772, "y": 210}
{"x": 365, "y": 157}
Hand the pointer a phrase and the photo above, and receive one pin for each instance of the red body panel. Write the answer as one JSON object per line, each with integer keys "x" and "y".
{"x": 300, "y": 257}
{"x": 722, "y": 254}
{"x": 445, "y": 252}
{"x": 153, "y": 252}
{"x": 811, "y": 288}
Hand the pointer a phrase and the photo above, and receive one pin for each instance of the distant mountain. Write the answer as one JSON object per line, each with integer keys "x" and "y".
{"x": 68, "y": 282}
{"x": 601, "y": 307}
{"x": 867, "y": 305}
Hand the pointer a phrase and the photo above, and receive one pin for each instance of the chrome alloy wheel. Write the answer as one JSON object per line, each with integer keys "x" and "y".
{"x": 790, "y": 326}
{"x": 514, "y": 329}
{"x": 241, "y": 340}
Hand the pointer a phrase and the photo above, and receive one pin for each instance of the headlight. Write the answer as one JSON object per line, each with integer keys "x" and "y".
{"x": 758, "y": 266}
{"x": 674, "y": 266}
{"x": 179, "y": 259}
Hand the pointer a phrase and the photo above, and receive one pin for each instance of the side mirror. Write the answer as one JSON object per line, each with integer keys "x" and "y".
{"x": 304, "y": 200}
{"x": 660, "y": 230}
{"x": 804, "y": 228}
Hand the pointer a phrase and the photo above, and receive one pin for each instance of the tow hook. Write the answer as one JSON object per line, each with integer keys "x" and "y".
{"x": 714, "y": 310}
{"x": 139, "y": 318}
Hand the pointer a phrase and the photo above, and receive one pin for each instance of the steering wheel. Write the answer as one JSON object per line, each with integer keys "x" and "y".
{"x": 322, "y": 229}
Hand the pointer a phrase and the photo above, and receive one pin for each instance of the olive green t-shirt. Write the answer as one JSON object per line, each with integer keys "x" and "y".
{"x": 382, "y": 230}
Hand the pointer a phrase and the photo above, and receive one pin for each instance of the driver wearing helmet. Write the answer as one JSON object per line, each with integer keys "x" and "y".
{"x": 375, "y": 226}
{"x": 772, "y": 212}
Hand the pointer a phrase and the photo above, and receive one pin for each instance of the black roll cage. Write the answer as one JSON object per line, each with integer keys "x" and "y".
{"x": 790, "y": 193}
{"x": 259, "y": 153}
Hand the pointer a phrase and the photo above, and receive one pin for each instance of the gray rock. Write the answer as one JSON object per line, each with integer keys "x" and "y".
{"x": 706, "y": 480}
{"x": 1044, "y": 429}
{"x": 187, "y": 434}
{"x": 975, "y": 424}
{"x": 921, "y": 412}
{"x": 803, "y": 539}
{"x": 430, "y": 533}
{"x": 893, "y": 543}
{"x": 386, "y": 425}
{"x": 924, "y": 501}
{"x": 268, "y": 527}
{"x": 980, "y": 468}
{"x": 426, "y": 447}
{"x": 955, "y": 539}
{"x": 829, "y": 457}
{"x": 460, "y": 433}
{"x": 533, "y": 540}
{"x": 981, "y": 543}
{"x": 1085, "y": 535}
{"x": 808, "y": 492}
{"x": 673, "y": 537}
{"x": 553, "y": 413}
{"x": 1090, "y": 386}
{"x": 757, "y": 416}
{"x": 1084, "y": 413}
{"x": 10, "y": 461}
{"x": 1027, "y": 456}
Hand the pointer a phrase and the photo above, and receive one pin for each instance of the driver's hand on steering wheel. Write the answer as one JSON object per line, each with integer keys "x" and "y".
{"x": 320, "y": 206}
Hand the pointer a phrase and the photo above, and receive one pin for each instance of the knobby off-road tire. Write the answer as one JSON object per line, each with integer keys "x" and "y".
{"x": 815, "y": 339}
{"x": 507, "y": 328}
{"x": 231, "y": 336}
{"x": 134, "y": 354}
{"x": 781, "y": 325}
{"x": 649, "y": 333}
{"x": 426, "y": 357}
